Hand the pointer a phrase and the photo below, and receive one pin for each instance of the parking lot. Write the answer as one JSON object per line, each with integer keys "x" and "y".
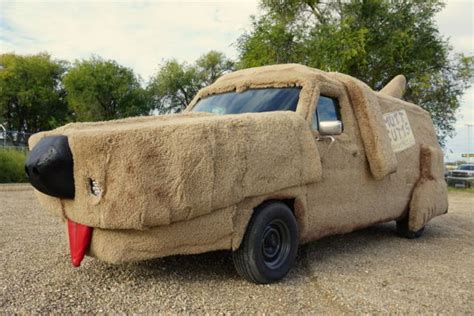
{"x": 371, "y": 270}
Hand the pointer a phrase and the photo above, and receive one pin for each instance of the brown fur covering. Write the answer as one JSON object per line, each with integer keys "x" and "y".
{"x": 188, "y": 183}
{"x": 374, "y": 134}
{"x": 430, "y": 195}
{"x": 396, "y": 87}
{"x": 165, "y": 169}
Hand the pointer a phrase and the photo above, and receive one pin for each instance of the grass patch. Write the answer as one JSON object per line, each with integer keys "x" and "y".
{"x": 467, "y": 190}
{"x": 12, "y": 166}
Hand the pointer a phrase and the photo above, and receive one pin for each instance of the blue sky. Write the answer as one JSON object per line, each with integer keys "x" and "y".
{"x": 141, "y": 34}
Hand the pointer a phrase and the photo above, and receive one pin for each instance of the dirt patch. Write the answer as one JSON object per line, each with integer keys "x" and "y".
{"x": 371, "y": 270}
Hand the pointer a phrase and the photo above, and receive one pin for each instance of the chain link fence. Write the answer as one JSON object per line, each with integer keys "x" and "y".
{"x": 13, "y": 139}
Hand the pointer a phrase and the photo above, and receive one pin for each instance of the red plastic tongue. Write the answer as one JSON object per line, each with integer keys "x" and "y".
{"x": 79, "y": 240}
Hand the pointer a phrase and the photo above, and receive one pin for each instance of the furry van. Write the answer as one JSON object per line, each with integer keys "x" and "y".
{"x": 192, "y": 182}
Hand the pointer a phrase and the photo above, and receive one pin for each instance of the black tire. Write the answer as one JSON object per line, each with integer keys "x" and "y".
{"x": 404, "y": 231}
{"x": 268, "y": 249}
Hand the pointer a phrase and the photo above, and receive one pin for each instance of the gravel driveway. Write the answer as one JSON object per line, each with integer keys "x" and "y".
{"x": 371, "y": 270}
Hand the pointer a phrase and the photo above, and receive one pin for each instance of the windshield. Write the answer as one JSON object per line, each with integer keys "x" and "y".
{"x": 251, "y": 100}
{"x": 467, "y": 167}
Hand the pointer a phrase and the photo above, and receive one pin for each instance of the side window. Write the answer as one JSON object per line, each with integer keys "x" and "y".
{"x": 327, "y": 110}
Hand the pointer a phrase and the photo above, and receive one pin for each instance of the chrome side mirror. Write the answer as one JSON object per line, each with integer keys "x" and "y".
{"x": 330, "y": 128}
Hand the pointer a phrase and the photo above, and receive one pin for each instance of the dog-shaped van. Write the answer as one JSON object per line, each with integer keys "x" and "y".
{"x": 262, "y": 160}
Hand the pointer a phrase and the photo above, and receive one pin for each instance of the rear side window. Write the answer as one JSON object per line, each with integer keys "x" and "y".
{"x": 327, "y": 109}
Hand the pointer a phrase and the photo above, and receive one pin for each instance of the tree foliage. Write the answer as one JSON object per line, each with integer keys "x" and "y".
{"x": 373, "y": 40}
{"x": 99, "y": 89}
{"x": 31, "y": 95}
{"x": 212, "y": 65}
{"x": 175, "y": 84}
{"x": 12, "y": 166}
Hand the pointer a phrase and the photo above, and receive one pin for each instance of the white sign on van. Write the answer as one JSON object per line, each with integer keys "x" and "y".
{"x": 399, "y": 130}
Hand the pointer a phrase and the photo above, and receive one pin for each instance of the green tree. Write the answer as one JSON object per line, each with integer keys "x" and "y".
{"x": 212, "y": 65}
{"x": 31, "y": 95}
{"x": 373, "y": 40}
{"x": 176, "y": 84}
{"x": 99, "y": 89}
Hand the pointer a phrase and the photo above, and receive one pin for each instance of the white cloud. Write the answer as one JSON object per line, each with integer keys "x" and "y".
{"x": 137, "y": 34}
{"x": 456, "y": 22}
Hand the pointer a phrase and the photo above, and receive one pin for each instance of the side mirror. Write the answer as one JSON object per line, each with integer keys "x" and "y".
{"x": 330, "y": 128}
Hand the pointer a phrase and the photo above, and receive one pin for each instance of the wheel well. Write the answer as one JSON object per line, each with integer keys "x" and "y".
{"x": 295, "y": 204}
{"x": 288, "y": 202}
{"x": 291, "y": 204}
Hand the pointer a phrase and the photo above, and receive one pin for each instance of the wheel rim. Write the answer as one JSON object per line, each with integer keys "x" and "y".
{"x": 276, "y": 243}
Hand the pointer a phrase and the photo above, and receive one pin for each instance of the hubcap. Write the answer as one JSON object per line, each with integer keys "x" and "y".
{"x": 275, "y": 244}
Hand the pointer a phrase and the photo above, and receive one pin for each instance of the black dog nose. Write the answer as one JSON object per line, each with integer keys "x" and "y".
{"x": 49, "y": 167}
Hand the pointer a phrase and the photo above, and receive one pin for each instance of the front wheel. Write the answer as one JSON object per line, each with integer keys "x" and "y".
{"x": 269, "y": 246}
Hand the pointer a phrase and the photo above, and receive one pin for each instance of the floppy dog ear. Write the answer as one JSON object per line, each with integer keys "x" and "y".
{"x": 377, "y": 143}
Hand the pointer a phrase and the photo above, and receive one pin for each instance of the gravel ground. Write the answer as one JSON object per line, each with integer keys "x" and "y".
{"x": 371, "y": 270}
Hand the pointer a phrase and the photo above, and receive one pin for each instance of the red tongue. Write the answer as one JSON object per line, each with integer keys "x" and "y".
{"x": 79, "y": 240}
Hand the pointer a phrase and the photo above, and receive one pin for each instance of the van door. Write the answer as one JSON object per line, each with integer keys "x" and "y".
{"x": 334, "y": 201}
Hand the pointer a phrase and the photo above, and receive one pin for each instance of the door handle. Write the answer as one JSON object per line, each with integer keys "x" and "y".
{"x": 321, "y": 138}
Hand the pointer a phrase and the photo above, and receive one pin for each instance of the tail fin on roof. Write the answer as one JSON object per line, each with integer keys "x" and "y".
{"x": 396, "y": 87}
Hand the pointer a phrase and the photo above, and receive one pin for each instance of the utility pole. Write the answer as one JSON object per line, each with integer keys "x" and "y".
{"x": 469, "y": 141}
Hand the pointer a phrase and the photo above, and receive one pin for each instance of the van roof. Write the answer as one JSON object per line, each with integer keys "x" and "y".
{"x": 273, "y": 72}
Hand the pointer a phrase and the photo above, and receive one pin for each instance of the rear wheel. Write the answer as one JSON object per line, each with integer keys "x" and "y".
{"x": 404, "y": 230}
{"x": 269, "y": 247}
